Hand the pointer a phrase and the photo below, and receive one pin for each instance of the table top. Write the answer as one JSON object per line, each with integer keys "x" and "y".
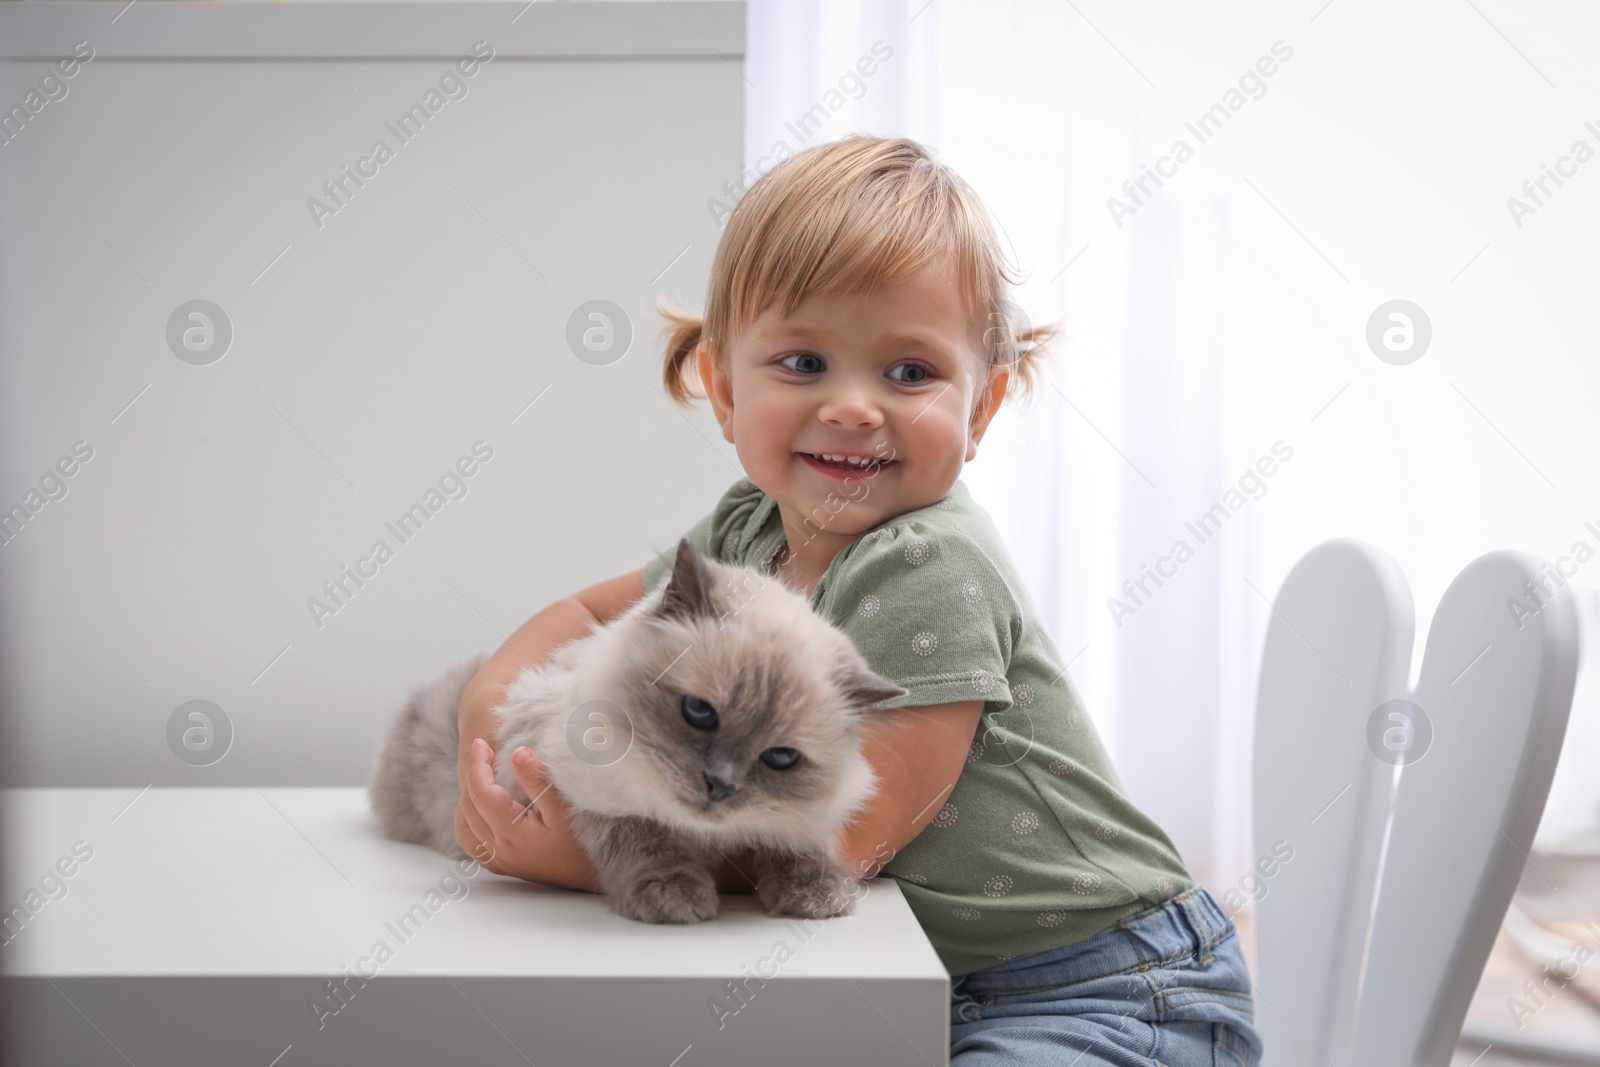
{"x": 272, "y": 881}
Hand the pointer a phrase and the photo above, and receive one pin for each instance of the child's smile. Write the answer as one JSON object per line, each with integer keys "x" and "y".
{"x": 855, "y": 408}
{"x": 846, "y": 465}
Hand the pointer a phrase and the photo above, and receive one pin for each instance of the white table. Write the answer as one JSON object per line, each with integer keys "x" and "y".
{"x": 206, "y": 924}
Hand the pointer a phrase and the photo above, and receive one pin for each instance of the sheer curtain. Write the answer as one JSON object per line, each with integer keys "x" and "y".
{"x": 1217, "y": 328}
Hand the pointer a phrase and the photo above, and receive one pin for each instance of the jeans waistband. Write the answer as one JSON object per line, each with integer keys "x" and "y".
{"x": 1188, "y": 924}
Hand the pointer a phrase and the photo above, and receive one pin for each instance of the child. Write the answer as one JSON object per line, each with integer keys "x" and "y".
{"x": 854, "y": 348}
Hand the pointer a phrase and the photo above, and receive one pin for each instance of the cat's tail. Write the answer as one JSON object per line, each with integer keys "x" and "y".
{"x": 413, "y": 788}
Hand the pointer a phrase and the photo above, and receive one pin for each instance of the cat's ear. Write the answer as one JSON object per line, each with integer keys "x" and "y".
{"x": 865, "y": 688}
{"x": 688, "y": 591}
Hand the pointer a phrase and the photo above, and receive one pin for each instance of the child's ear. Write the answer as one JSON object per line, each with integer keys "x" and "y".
{"x": 988, "y": 402}
{"x": 717, "y": 387}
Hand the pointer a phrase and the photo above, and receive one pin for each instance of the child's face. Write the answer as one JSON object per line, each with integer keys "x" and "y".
{"x": 890, "y": 374}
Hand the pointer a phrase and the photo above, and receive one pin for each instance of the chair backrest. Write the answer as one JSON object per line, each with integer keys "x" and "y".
{"x": 1337, "y": 646}
{"x": 1372, "y": 938}
{"x": 1496, "y": 685}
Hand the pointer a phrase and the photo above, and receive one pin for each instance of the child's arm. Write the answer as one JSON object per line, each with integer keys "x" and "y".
{"x": 525, "y": 847}
{"x": 918, "y": 753}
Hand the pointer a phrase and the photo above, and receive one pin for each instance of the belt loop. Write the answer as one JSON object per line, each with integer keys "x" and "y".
{"x": 1194, "y": 911}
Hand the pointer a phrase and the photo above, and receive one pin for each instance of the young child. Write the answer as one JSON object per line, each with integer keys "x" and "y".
{"x": 855, "y": 346}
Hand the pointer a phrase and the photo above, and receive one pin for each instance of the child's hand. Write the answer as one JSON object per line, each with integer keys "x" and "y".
{"x": 535, "y": 842}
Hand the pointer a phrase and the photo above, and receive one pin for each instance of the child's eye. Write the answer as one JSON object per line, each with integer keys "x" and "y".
{"x": 919, "y": 368}
{"x": 804, "y": 355}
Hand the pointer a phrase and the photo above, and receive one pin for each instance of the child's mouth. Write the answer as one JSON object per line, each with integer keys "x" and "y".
{"x": 846, "y": 469}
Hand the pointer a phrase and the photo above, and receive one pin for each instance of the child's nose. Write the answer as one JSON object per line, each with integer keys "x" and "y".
{"x": 852, "y": 406}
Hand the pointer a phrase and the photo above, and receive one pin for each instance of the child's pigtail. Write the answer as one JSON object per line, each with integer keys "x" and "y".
{"x": 1022, "y": 349}
{"x": 680, "y": 372}
{"x": 1033, "y": 350}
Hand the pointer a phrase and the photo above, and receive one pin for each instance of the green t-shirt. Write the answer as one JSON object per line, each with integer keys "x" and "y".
{"x": 1036, "y": 846}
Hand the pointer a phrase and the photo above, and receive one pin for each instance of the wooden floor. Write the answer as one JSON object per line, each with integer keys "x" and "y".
{"x": 1569, "y": 1015}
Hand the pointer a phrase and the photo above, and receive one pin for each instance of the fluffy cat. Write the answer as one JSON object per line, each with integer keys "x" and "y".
{"x": 719, "y": 712}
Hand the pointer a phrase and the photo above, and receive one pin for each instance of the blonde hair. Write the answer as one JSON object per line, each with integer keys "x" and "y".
{"x": 843, "y": 217}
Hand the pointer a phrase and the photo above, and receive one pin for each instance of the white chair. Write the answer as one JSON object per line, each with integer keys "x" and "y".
{"x": 1406, "y": 832}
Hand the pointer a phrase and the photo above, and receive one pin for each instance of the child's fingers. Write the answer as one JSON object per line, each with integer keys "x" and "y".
{"x": 502, "y": 813}
{"x": 476, "y": 824}
{"x": 530, "y": 775}
{"x": 469, "y": 775}
{"x": 471, "y": 843}
{"x": 480, "y": 776}
{"x": 487, "y": 803}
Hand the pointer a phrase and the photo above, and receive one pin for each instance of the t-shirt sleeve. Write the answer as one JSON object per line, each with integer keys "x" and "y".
{"x": 657, "y": 567}
{"x": 929, "y": 611}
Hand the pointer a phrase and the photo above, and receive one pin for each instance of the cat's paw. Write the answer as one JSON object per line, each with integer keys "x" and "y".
{"x": 677, "y": 897}
{"x": 820, "y": 895}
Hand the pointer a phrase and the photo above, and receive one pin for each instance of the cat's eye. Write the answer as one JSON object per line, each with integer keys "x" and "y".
{"x": 780, "y": 759}
{"x": 698, "y": 713}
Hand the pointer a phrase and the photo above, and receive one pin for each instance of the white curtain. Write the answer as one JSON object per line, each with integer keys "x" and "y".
{"x": 1226, "y": 314}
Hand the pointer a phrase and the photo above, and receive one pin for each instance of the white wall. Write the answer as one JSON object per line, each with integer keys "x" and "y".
{"x": 369, "y": 354}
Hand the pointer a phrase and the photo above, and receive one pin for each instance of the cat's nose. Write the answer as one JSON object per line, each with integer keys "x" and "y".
{"x": 717, "y": 788}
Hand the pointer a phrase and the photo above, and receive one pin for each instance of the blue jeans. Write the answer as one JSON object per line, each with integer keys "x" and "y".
{"x": 1167, "y": 984}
